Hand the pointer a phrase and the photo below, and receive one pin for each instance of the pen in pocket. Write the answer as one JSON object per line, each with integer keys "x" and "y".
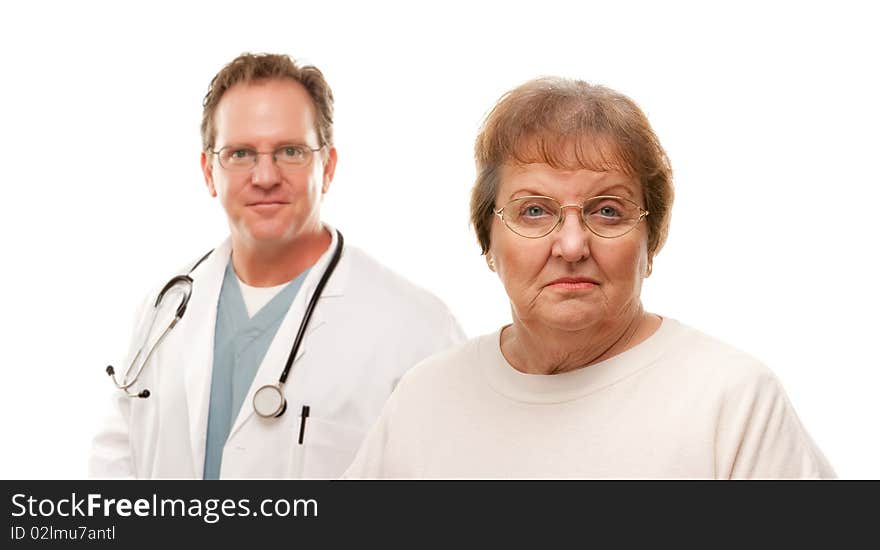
{"x": 302, "y": 422}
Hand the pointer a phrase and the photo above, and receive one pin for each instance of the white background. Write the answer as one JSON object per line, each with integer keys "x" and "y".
{"x": 769, "y": 112}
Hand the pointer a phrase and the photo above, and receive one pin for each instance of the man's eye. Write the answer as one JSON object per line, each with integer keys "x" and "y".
{"x": 292, "y": 152}
{"x": 241, "y": 153}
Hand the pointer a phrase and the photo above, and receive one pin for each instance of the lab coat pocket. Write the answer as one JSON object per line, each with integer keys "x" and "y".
{"x": 329, "y": 448}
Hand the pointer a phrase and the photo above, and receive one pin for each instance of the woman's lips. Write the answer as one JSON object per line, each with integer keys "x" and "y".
{"x": 573, "y": 283}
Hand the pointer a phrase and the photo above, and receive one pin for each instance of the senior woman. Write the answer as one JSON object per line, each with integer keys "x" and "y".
{"x": 571, "y": 203}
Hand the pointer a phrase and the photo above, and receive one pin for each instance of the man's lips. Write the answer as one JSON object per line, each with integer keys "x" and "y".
{"x": 573, "y": 283}
{"x": 266, "y": 203}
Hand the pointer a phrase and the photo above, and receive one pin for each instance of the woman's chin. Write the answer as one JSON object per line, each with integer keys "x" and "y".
{"x": 568, "y": 320}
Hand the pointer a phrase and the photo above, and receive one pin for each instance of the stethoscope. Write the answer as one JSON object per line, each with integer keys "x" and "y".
{"x": 269, "y": 400}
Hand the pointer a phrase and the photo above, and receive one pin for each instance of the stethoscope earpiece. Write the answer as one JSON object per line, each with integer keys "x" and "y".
{"x": 182, "y": 282}
{"x": 111, "y": 372}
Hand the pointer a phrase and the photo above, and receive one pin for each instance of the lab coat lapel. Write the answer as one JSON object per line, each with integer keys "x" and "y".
{"x": 197, "y": 347}
{"x": 279, "y": 350}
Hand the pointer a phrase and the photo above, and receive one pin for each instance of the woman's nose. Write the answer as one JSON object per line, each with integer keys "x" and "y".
{"x": 571, "y": 238}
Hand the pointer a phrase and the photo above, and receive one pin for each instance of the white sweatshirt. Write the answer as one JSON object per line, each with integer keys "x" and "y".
{"x": 678, "y": 405}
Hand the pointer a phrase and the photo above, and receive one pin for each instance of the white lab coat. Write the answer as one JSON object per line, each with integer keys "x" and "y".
{"x": 368, "y": 328}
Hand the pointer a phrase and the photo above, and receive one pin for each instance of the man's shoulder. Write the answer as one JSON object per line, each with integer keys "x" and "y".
{"x": 370, "y": 280}
{"x": 411, "y": 320}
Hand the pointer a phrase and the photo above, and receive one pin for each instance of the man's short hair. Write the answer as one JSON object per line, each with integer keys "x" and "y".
{"x": 249, "y": 68}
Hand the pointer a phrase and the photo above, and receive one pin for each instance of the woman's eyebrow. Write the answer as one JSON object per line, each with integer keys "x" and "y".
{"x": 526, "y": 192}
{"x": 534, "y": 188}
{"x": 617, "y": 189}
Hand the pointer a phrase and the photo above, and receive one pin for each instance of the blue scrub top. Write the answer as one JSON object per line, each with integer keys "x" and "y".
{"x": 240, "y": 343}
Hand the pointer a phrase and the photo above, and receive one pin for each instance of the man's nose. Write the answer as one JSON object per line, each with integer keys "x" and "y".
{"x": 571, "y": 240}
{"x": 266, "y": 172}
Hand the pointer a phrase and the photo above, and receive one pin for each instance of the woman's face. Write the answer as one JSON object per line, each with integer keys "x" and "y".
{"x": 570, "y": 279}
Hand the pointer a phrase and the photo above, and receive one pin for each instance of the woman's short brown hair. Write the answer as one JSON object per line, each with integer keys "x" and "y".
{"x": 249, "y": 68}
{"x": 571, "y": 124}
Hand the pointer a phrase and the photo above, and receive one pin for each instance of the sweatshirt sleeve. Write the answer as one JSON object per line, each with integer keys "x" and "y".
{"x": 369, "y": 462}
{"x": 759, "y": 435}
{"x": 392, "y": 448}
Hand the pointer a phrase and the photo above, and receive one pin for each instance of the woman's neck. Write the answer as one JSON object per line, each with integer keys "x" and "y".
{"x": 535, "y": 348}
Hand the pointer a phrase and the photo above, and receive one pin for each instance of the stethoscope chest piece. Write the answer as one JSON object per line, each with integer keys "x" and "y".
{"x": 269, "y": 402}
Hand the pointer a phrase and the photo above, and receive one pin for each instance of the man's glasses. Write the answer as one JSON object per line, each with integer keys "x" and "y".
{"x": 239, "y": 159}
{"x": 537, "y": 216}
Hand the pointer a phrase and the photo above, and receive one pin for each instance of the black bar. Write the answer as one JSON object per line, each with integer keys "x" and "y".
{"x": 455, "y": 514}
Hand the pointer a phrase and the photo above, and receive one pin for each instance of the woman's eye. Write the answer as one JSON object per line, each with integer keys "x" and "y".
{"x": 534, "y": 211}
{"x": 608, "y": 212}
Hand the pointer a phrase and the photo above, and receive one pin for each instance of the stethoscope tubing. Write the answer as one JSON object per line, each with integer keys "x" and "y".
{"x": 269, "y": 400}
{"x": 307, "y": 316}
{"x": 187, "y": 282}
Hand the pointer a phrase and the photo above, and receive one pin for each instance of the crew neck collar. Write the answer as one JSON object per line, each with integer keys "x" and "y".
{"x": 567, "y": 386}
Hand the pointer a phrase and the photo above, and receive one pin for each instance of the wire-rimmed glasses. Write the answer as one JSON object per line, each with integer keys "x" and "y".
{"x": 236, "y": 158}
{"x": 537, "y": 216}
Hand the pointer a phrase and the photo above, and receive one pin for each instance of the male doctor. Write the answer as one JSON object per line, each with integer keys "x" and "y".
{"x": 268, "y": 156}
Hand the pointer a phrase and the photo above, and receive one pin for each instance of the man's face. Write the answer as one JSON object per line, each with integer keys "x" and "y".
{"x": 270, "y": 204}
